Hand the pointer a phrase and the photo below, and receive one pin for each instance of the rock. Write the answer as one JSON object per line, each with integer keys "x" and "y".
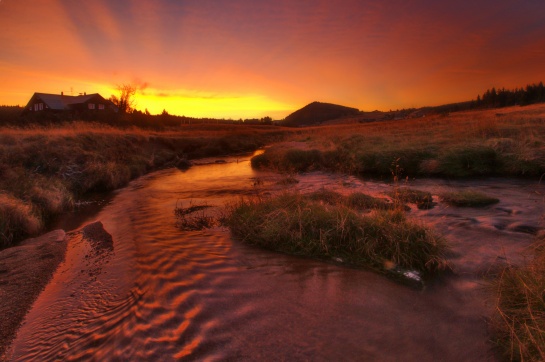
{"x": 97, "y": 236}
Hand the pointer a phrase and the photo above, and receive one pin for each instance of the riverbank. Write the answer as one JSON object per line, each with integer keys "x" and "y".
{"x": 45, "y": 171}
{"x": 458, "y": 145}
{"x": 25, "y": 270}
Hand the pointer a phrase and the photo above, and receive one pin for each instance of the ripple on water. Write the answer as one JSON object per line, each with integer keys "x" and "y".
{"x": 164, "y": 294}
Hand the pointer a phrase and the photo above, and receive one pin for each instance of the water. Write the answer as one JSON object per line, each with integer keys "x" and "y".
{"x": 164, "y": 294}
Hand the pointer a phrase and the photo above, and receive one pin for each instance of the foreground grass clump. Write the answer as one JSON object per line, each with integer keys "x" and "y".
{"x": 301, "y": 225}
{"x": 193, "y": 217}
{"x": 519, "y": 320}
{"x": 467, "y": 198}
{"x": 17, "y": 220}
{"x": 402, "y": 195}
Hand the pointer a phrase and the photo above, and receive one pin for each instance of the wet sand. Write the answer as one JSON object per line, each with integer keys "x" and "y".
{"x": 25, "y": 270}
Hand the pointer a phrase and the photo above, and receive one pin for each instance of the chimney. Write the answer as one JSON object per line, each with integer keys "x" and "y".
{"x": 62, "y": 93}
{"x": 84, "y": 93}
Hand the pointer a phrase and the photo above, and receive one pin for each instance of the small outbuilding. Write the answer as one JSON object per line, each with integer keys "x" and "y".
{"x": 44, "y": 102}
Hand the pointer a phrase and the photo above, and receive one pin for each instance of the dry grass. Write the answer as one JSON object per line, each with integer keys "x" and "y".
{"x": 467, "y": 198}
{"x": 322, "y": 225}
{"x": 402, "y": 195}
{"x": 47, "y": 168}
{"x": 17, "y": 220}
{"x": 519, "y": 321}
{"x": 193, "y": 217}
{"x": 464, "y": 144}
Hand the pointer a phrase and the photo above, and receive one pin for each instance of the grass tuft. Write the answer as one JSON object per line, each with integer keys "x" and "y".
{"x": 402, "y": 195}
{"x": 17, "y": 220}
{"x": 360, "y": 200}
{"x": 193, "y": 217}
{"x": 467, "y": 198}
{"x": 519, "y": 321}
{"x": 309, "y": 225}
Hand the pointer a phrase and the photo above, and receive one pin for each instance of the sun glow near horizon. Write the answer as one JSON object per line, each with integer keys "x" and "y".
{"x": 209, "y": 105}
{"x": 248, "y": 59}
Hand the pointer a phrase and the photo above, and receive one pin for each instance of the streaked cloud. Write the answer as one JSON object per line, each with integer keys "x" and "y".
{"x": 365, "y": 54}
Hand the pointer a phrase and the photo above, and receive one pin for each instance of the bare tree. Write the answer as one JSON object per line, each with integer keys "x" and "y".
{"x": 125, "y": 100}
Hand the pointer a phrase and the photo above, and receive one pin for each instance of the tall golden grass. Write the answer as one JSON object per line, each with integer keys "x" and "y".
{"x": 519, "y": 321}
{"x": 43, "y": 169}
{"x": 500, "y": 142}
{"x": 327, "y": 225}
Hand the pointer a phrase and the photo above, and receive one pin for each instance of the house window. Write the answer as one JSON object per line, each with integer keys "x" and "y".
{"x": 101, "y": 106}
{"x": 38, "y": 106}
{"x": 91, "y": 105}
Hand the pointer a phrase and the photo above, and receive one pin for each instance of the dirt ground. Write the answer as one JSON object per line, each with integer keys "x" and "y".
{"x": 25, "y": 270}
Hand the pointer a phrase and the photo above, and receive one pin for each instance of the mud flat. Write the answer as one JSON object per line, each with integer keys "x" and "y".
{"x": 25, "y": 270}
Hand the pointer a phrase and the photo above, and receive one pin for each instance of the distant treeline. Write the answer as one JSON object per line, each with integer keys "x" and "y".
{"x": 494, "y": 98}
{"x": 11, "y": 116}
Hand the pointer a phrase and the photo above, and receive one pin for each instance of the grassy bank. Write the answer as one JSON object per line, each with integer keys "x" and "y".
{"x": 44, "y": 170}
{"x": 519, "y": 321}
{"x": 464, "y": 144}
{"x": 328, "y": 225}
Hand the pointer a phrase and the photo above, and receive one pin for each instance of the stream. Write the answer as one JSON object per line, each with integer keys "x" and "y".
{"x": 163, "y": 294}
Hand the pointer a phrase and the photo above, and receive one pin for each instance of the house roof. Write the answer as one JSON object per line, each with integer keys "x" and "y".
{"x": 60, "y": 102}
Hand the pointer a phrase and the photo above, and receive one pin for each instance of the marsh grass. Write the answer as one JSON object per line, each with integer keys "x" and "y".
{"x": 459, "y": 145}
{"x": 467, "y": 198}
{"x": 359, "y": 200}
{"x": 402, "y": 195}
{"x": 518, "y": 324}
{"x": 317, "y": 226}
{"x": 193, "y": 217}
{"x": 17, "y": 220}
{"x": 47, "y": 168}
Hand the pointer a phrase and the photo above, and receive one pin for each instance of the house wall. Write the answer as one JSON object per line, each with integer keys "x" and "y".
{"x": 36, "y": 105}
{"x": 94, "y": 104}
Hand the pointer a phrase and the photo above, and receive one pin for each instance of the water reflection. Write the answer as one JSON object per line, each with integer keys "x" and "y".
{"x": 165, "y": 294}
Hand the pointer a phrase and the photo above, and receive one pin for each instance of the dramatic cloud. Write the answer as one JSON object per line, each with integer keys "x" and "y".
{"x": 279, "y": 55}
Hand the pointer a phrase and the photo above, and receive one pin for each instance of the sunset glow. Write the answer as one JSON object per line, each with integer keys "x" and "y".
{"x": 246, "y": 58}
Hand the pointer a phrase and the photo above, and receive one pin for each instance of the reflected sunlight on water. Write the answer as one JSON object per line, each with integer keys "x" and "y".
{"x": 165, "y": 294}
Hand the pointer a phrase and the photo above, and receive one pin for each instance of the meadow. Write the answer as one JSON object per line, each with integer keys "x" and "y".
{"x": 45, "y": 170}
{"x": 506, "y": 142}
{"x": 497, "y": 142}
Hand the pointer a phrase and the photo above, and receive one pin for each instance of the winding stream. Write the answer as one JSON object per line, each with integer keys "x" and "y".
{"x": 163, "y": 294}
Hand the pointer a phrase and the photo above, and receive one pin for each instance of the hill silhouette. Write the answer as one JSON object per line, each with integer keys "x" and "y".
{"x": 317, "y": 112}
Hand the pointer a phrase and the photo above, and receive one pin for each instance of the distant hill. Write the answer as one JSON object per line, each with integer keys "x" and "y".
{"x": 317, "y": 112}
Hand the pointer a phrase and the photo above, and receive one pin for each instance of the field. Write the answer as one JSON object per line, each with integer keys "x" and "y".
{"x": 498, "y": 142}
{"x": 47, "y": 170}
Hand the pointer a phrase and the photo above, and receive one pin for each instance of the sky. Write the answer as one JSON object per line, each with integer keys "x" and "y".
{"x": 255, "y": 58}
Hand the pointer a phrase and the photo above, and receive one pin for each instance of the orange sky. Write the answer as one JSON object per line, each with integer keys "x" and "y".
{"x": 252, "y": 58}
